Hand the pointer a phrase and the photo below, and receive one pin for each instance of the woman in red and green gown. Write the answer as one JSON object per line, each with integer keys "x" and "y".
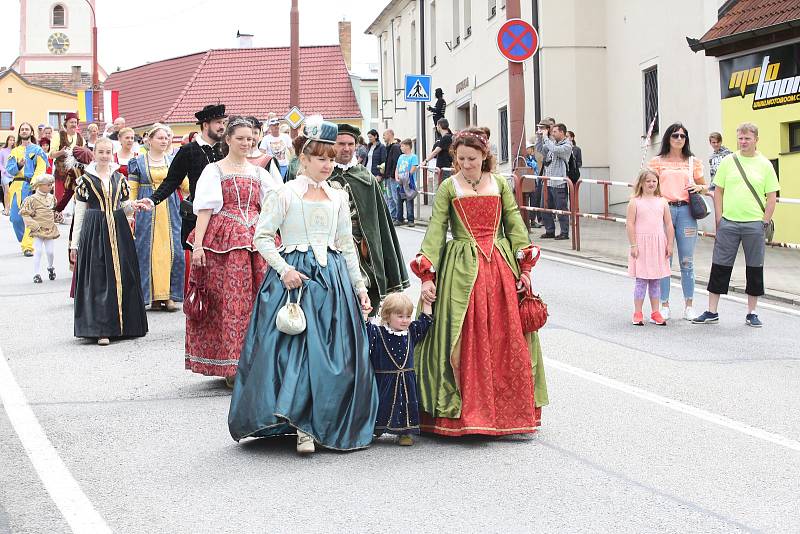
{"x": 478, "y": 373}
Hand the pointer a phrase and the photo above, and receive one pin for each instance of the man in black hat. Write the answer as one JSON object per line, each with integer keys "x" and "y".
{"x": 438, "y": 110}
{"x": 190, "y": 161}
{"x": 373, "y": 231}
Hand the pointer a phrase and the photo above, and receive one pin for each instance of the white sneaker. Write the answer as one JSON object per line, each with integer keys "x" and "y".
{"x": 305, "y": 443}
{"x": 689, "y": 314}
{"x": 665, "y": 312}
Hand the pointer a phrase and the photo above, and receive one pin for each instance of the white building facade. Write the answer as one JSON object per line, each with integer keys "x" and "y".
{"x": 605, "y": 67}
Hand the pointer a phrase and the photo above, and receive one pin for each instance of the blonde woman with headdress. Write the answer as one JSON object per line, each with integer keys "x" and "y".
{"x": 158, "y": 232}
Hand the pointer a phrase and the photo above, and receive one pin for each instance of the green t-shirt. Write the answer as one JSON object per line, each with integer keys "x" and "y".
{"x": 738, "y": 203}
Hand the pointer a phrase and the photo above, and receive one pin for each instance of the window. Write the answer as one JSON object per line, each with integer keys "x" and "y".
{"x": 385, "y": 73}
{"x": 467, "y": 18}
{"x": 398, "y": 63}
{"x": 373, "y": 109}
{"x": 432, "y": 27}
{"x": 456, "y": 23}
{"x": 503, "y": 127}
{"x": 59, "y": 16}
{"x": 413, "y": 47}
{"x": 492, "y": 8}
{"x": 56, "y": 119}
{"x": 6, "y": 120}
{"x": 651, "y": 98}
{"x": 794, "y": 137}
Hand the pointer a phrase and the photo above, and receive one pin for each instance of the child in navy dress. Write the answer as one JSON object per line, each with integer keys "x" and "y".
{"x": 391, "y": 350}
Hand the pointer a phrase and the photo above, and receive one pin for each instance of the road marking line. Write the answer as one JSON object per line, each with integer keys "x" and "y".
{"x": 676, "y": 405}
{"x": 56, "y": 478}
{"x": 674, "y": 283}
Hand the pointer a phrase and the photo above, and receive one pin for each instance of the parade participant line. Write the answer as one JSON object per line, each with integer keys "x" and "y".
{"x": 56, "y": 478}
{"x": 677, "y": 406}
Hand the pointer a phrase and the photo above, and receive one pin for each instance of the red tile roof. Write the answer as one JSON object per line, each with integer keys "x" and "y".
{"x": 249, "y": 81}
{"x": 55, "y": 81}
{"x": 749, "y": 15}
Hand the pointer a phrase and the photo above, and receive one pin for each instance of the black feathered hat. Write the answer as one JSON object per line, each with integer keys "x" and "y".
{"x": 211, "y": 112}
{"x": 350, "y": 130}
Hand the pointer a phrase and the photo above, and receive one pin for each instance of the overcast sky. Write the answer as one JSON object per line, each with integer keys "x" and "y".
{"x": 134, "y": 32}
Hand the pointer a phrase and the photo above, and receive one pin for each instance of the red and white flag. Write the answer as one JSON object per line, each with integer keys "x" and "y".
{"x": 110, "y": 106}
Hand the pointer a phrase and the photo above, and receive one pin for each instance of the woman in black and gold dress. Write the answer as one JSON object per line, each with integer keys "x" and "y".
{"x": 108, "y": 295}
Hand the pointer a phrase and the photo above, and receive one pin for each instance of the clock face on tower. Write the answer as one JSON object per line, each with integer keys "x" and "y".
{"x": 58, "y": 43}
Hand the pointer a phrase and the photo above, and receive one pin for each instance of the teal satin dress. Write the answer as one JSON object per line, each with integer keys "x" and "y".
{"x": 320, "y": 381}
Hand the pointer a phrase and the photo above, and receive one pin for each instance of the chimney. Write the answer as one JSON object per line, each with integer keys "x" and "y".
{"x": 76, "y": 76}
{"x": 245, "y": 39}
{"x": 345, "y": 42}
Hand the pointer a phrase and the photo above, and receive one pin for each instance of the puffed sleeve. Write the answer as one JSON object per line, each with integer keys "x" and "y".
{"x": 527, "y": 257}
{"x": 269, "y": 182}
{"x": 344, "y": 242}
{"x": 423, "y": 268}
{"x": 134, "y": 177}
{"x": 208, "y": 193}
{"x": 273, "y": 213}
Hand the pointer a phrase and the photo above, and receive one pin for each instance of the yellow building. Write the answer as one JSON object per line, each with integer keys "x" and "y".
{"x": 759, "y": 67}
{"x": 24, "y": 100}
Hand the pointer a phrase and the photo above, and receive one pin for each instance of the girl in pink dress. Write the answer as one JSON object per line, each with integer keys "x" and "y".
{"x": 651, "y": 235}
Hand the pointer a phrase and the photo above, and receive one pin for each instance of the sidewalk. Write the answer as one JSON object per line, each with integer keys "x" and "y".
{"x": 607, "y": 242}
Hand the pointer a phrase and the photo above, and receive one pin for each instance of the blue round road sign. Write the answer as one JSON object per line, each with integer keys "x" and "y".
{"x": 517, "y": 40}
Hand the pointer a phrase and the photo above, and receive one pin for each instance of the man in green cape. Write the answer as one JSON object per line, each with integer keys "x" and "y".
{"x": 375, "y": 238}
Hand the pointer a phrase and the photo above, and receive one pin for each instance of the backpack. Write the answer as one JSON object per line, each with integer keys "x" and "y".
{"x": 573, "y": 173}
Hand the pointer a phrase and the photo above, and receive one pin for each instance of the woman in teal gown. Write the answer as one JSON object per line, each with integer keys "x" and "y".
{"x": 318, "y": 384}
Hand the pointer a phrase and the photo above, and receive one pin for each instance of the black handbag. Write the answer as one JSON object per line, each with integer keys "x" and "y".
{"x": 697, "y": 204}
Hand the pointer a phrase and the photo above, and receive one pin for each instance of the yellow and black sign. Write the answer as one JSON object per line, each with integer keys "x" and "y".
{"x": 772, "y": 76}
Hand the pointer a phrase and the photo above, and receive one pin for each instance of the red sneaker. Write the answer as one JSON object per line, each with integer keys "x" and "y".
{"x": 656, "y": 318}
{"x": 638, "y": 319}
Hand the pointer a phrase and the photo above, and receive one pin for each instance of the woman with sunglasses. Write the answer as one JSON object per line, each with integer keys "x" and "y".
{"x": 679, "y": 174}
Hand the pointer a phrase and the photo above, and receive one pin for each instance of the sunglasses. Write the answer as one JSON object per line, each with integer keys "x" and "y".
{"x": 679, "y": 136}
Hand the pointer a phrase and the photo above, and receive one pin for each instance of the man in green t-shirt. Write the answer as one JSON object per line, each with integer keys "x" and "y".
{"x": 742, "y": 217}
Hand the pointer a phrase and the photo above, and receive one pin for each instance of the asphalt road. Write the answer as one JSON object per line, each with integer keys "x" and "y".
{"x": 679, "y": 429}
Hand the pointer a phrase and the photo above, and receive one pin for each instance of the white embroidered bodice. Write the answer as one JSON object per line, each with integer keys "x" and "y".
{"x": 321, "y": 225}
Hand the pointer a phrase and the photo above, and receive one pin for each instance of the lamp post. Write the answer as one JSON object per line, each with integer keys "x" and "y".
{"x": 95, "y": 70}
{"x": 294, "y": 58}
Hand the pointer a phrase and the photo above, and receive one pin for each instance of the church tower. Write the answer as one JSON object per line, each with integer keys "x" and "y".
{"x": 55, "y": 35}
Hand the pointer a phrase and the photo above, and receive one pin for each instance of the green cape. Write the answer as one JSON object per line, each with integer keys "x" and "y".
{"x": 456, "y": 265}
{"x": 385, "y": 267}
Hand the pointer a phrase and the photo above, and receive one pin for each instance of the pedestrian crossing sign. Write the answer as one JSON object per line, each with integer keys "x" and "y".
{"x": 418, "y": 88}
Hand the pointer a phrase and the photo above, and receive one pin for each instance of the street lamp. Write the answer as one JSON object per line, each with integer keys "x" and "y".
{"x": 95, "y": 73}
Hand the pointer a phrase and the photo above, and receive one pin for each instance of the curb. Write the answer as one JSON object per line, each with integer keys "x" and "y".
{"x": 793, "y": 300}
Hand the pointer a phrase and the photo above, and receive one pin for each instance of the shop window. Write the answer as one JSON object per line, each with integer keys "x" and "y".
{"x": 6, "y": 120}
{"x": 503, "y": 127}
{"x": 651, "y": 98}
{"x": 794, "y": 137}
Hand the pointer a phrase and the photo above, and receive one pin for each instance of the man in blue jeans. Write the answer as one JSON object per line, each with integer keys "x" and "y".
{"x": 743, "y": 214}
{"x": 556, "y": 149}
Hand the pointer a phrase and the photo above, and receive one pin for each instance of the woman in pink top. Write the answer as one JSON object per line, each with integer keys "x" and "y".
{"x": 679, "y": 173}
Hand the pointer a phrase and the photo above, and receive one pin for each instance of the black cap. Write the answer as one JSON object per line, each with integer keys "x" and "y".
{"x": 350, "y": 130}
{"x": 211, "y": 112}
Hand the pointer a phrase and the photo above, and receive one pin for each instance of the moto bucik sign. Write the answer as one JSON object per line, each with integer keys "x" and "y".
{"x": 771, "y": 76}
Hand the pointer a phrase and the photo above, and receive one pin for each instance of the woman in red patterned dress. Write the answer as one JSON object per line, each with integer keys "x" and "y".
{"x": 227, "y": 203}
{"x": 478, "y": 373}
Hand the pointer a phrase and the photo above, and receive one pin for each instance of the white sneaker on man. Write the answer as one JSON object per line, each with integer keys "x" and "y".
{"x": 689, "y": 314}
{"x": 665, "y": 312}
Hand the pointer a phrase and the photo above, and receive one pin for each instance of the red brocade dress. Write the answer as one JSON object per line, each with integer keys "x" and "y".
{"x": 493, "y": 364}
{"x": 234, "y": 269}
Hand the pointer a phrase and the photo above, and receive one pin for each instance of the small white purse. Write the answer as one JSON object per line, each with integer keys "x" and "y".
{"x": 291, "y": 320}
